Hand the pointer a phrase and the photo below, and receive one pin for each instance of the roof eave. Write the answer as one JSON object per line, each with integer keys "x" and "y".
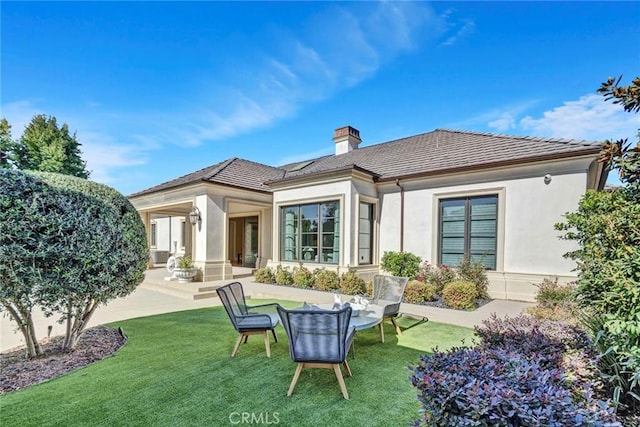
{"x": 490, "y": 165}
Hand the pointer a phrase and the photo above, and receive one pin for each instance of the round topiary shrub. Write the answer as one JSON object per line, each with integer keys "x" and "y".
{"x": 264, "y": 275}
{"x": 302, "y": 277}
{"x": 326, "y": 280}
{"x": 283, "y": 276}
{"x": 418, "y": 292}
{"x": 352, "y": 284}
{"x": 67, "y": 245}
{"x": 460, "y": 295}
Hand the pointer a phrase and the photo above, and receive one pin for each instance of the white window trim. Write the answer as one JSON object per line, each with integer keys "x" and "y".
{"x": 277, "y": 220}
{"x": 374, "y": 229}
{"x": 435, "y": 220}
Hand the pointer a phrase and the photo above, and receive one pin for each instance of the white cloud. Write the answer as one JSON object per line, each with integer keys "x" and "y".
{"x": 468, "y": 27}
{"x": 589, "y": 118}
{"x": 501, "y": 119}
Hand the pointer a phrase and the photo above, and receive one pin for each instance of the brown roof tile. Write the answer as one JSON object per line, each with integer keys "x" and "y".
{"x": 434, "y": 152}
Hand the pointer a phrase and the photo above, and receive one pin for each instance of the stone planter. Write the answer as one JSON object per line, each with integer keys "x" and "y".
{"x": 185, "y": 275}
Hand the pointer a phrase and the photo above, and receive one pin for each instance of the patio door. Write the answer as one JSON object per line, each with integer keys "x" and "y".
{"x": 250, "y": 241}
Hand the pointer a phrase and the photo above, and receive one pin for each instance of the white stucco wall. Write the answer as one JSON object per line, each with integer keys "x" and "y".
{"x": 529, "y": 248}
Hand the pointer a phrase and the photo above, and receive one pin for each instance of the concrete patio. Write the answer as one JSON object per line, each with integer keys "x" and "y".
{"x": 156, "y": 295}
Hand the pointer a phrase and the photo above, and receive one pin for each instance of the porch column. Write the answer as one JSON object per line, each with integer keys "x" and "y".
{"x": 210, "y": 238}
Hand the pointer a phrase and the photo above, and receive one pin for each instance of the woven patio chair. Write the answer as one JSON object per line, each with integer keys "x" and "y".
{"x": 319, "y": 339}
{"x": 248, "y": 320}
{"x": 388, "y": 292}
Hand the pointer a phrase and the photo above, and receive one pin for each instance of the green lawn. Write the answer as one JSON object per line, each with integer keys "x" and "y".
{"x": 176, "y": 370}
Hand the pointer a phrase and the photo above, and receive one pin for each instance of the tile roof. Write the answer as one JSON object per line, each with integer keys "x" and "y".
{"x": 444, "y": 150}
{"x": 434, "y": 152}
{"x": 234, "y": 172}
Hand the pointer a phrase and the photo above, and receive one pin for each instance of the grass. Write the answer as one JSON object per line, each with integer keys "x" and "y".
{"x": 176, "y": 370}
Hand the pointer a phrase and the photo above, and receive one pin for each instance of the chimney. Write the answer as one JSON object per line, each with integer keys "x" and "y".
{"x": 346, "y": 139}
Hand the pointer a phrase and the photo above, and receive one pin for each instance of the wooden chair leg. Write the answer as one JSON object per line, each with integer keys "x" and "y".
{"x": 347, "y": 370}
{"x": 398, "y": 331}
{"x": 381, "y": 331}
{"x": 343, "y": 387}
{"x": 266, "y": 343}
{"x": 238, "y": 341}
{"x": 295, "y": 378}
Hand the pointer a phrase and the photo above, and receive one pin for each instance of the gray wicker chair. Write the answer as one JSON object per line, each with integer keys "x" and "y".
{"x": 388, "y": 292}
{"x": 248, "y": 320}
{"x": 319, "y": 339}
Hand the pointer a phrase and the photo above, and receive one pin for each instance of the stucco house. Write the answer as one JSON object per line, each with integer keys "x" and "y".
{"x": 441, "y": 195}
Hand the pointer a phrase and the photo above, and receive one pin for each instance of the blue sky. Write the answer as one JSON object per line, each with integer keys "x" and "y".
{"x": 156, "y": 90}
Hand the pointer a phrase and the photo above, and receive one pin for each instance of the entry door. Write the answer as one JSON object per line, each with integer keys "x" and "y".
{"x": 250, "y": 241}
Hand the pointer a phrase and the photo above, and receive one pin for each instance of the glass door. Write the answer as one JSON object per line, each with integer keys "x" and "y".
{"x": 250, "y": 241}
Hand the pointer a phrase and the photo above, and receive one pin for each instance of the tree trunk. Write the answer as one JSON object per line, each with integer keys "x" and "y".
{"x": 22, "y": 316}
{"x": 77, "y": 323}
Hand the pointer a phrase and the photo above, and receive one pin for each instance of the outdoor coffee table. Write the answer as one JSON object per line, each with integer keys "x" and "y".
{"x": 365, "y": 319}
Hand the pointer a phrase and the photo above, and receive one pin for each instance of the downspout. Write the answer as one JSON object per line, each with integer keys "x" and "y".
{"x": 401, "y": 215}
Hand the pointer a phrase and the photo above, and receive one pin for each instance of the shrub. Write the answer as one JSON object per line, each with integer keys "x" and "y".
{"x": 418, "y": 292}
{"x": 619, "y": 360}
{"x": 496, "y": 386}
{"x": 265, "y": 275}
{"x": 439, "y": 276}
{"x": 476, "y": 273}
{"x": 460, "y": 295}
{"x": 554, "y": 302}
{"x": 67, "y": 245}
{"x": 283, "y": 276}
{"x": 326, "y": 280}
{"x": 352, "y": 284}
{"x": 551, "y": 293}
{"x": 546, "y": 340}
{"x": 302, "y": 277}
{"x": 401, "y": 264}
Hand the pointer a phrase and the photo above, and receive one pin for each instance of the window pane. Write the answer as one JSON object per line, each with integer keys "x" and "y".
{"x": 364, "y": 256}
{"x": 289, "y": 234}
{"x": 451, "y": 259}
{"x": 468, "y": 227}
{"x": 310, "y": 232}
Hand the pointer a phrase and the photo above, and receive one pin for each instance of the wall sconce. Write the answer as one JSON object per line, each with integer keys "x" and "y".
{"x": 547, "y": 179}
{"x": 194, "y": 216}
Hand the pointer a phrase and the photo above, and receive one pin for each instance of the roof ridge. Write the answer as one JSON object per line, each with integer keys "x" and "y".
{"x": 524, "y": 138}
{"x": 221, "y": 166}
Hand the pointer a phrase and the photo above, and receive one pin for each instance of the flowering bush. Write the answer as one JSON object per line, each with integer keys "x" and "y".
{"x": 351, "y": 284}
{"x": 283, "y": 276}
{"x": 326, "y": 280}
{"x": 437, "y": 275}
{"x": 302, "y": 277}
{"x": 460, "y": 295}
{"x": 265, "y": 275}
{"x": 417, "y": 292}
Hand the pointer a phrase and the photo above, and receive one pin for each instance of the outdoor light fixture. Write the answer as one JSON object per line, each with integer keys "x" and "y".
{"x": 194, "y": 215}
{"x": 547, "y": 179}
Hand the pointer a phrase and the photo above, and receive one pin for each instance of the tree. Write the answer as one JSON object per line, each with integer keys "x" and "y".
{"x": 607, "y": 229}
{"x": 5, "y": 143}
{"x": 43, "y": 146}
{"x": 67, "y": 245}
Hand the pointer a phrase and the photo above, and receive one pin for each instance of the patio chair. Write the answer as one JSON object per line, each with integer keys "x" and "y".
{"x": 388, "y": 292}
{"x": 248, "y": 320}
{"x": 319, "y": 339}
